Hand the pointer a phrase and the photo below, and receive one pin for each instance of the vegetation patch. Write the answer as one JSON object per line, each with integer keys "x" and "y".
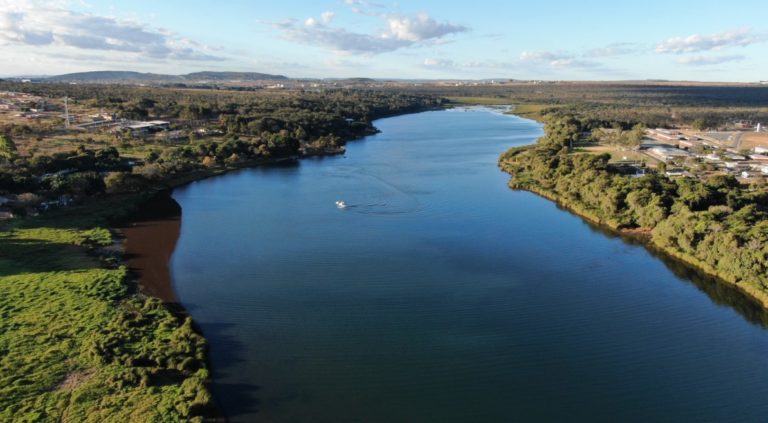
{"x": 713, "y": 223}
{"x": 78, "y": 344}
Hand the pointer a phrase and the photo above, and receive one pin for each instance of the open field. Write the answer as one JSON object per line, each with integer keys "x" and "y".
{"x": 750, "y": 140}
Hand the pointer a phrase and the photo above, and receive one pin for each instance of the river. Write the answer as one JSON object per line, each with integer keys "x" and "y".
{"x": 440, "y": 295}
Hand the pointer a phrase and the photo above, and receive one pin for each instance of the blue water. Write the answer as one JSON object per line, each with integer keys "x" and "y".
{"x": 440, "y": 295}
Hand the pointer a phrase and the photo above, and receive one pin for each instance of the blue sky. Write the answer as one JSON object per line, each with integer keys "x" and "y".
{"x": 587, "y": 40}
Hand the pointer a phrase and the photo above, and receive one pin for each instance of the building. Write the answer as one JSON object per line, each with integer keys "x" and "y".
{"x": 143, "y": 128}
{"x": 666, "y": 154}
{"x": 95, "y": 124}
{"x": 6, "y": 213}
{"x": 665, "y": 134}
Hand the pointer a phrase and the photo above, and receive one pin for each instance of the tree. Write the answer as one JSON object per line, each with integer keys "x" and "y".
{"x": 209, "y": 161}
{"x": 700, "y": 124}
{"x": 123, "y": 182}
{"x": 7, "y": 147}
{"x": 635, "y": 136}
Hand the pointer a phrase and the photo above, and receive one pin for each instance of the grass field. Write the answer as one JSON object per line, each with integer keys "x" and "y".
{"x": 483, "y": 101}
{"x": 530, "y": 111}
{"x": 78, "y": 343}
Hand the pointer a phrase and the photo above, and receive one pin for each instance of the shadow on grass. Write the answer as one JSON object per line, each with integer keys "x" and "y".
{"x": 19, "y": 256}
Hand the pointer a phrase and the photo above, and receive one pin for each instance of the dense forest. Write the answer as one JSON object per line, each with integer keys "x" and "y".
{"x": 253, "y": 127}
{"x": 713, "y": 223}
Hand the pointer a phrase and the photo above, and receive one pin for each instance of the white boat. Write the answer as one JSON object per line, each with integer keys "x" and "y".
{"x": 341, "y": 204}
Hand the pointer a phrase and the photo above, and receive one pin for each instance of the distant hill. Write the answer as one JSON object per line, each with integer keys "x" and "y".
{"x": 230, "y": 76}
{"x": 104, "y": 76}
{"x": 128, "y": 76}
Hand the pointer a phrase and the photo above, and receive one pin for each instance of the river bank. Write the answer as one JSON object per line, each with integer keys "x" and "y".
{"x": 644, "y": 234}
{"x": 440, "y": 276}
{"x": 89, "y": 311}
{"x": 156, "y": 256}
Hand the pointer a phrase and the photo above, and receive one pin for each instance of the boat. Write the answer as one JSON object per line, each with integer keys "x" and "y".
{"x": 341, "y": 204}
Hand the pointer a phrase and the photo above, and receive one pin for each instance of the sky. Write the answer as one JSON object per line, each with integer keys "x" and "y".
{"x": 421, "y": 39}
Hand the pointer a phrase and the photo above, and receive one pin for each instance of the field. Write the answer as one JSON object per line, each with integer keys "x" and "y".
{"x": 78, "y": 342}
{"x": 750, "y": 140}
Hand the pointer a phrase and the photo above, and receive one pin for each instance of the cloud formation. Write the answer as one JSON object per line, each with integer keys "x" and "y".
{"x": 613, "y": 50}
{"x": 434, "y": 63}
{"x": 718, "y": 41}
{"x": 707, "y": 61}
{"x": 557, "y": 59}
{"x": 32, "y": 23}
{"x": 401, "y": 31}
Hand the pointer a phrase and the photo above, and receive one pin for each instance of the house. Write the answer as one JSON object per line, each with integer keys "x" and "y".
{"x": 747, "y": 174}
{"x": 665, "y": 134}
{"x": 667, "y": 153}
{"x": 760, "y": 150}
{"x": 62, "y": 201}
{"x": 6, "y": 213}
{"x": 142, "y": 128}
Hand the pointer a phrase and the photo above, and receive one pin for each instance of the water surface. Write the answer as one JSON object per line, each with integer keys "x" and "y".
{"x": 439, "y": 295}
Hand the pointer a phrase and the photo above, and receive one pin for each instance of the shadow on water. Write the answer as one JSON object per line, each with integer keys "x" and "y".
{"x": 719, "y": 292}
{"x": 151, "y": 234}
{"x": 233, "y": 399}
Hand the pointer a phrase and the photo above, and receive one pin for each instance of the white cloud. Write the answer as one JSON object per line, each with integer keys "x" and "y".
{"x": 401, "y": 31}
{"x": 431, "y": 62}
{"x": 706, "y": 61}
{"x": 326, "y": 17}
{"x": 556, "y": 59}
{"x": 36, "y": 24}
{"x": 419, "y": 28}
{"x": 695, "y": 43}
{"x": 613, "y": 50}
{"x": 364, "y": 7}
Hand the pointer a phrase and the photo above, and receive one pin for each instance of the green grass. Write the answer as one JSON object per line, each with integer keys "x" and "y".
{"x": 530, "y": 111}
{"x": 484, "y": 101}
{"x": 78, "y": 344}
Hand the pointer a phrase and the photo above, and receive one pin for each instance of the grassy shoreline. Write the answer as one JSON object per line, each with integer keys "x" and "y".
{"x": 80, "y": 342}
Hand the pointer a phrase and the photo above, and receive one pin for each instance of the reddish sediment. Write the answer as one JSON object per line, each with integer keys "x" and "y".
{"x": 150, "y": 239}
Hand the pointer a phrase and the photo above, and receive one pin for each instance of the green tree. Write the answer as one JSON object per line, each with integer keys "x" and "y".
{"x": 700, "y": 124}
{"x": 635, "y": 136}
{"x": 7, "y": 147}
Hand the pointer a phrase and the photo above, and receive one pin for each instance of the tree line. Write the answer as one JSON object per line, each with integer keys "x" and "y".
{"x": 714, "y": 223}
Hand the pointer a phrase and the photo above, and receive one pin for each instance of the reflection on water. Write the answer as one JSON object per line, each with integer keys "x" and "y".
{"x": 441, "y": 295}
{"x": 719, "y": 292}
